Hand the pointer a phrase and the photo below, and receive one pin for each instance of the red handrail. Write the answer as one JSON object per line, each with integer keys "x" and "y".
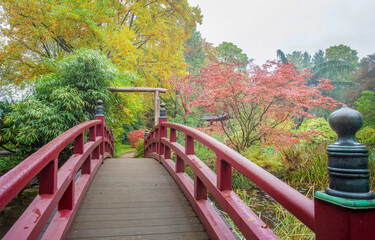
{"x": 57, "y": 187}
{"x": 159, "y": 146}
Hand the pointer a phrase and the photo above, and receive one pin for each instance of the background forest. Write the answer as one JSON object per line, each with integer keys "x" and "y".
{"x": 57, "y": 60}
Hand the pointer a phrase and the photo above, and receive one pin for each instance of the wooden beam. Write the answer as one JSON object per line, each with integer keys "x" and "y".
{"x": 156, "y": 107}
{"x": 137, "y": 89}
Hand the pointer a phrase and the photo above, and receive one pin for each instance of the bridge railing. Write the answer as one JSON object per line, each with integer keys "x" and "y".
{"x": 319, "y": 215}
{"x": 57, "y": 187}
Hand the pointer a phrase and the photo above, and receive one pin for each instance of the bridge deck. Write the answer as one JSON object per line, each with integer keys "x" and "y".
{"x": 135, "y": 199}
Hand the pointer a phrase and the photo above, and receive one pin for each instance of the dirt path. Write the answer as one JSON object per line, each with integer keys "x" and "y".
{"x": 128, "y": 155}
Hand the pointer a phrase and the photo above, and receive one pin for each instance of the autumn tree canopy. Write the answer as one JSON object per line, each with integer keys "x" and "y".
{"x": 145, "y": 36}
{"x": 262, "y": 103}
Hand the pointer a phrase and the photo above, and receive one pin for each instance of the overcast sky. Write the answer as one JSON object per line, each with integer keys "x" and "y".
{"x": 260, "y": 27}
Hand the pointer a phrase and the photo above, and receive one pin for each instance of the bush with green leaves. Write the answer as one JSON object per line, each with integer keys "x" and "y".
{"x": 139, "y": 153}
{"x": 322, "y": 126}
{"x": 61, "y": 100}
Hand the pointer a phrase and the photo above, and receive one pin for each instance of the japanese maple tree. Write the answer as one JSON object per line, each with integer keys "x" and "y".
{"x": 262, "y": 103}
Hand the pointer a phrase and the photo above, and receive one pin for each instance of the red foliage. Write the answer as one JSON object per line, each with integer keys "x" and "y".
{"x": 262, "y": 102}
{"x": 135, "y": 136}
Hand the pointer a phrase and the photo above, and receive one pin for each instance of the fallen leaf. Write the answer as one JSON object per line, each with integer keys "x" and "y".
{"x": 227, "y": 195}
{"x": 101, "y": 192}
{"x": 265, "y": 226}
{"x": 25, "y": 227}
{"x": 251, "y": 219}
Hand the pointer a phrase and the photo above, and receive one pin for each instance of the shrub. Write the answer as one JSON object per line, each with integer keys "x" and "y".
{"x": 60, "y": 100}
{"x": 139, "y": 153}
{"x": 135, "y": 136}
{"x": 322, "y": 126}
{"x": 366, "y": 136}
{"x": 264, "y": 157}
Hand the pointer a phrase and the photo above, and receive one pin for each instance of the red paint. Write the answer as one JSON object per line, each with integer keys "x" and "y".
{"x": 57, "y": 186}
{"x": 220, "y": 184}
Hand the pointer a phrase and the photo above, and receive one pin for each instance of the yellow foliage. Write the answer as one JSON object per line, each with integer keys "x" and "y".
{"x": 144, "y": 36}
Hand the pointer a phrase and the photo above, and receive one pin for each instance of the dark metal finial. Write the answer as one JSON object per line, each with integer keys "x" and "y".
{"x": 99, "y": 109}
{"x": 146, "y": 133}
{"x": 347, "y": 159}
{"x": 162, "y": 111}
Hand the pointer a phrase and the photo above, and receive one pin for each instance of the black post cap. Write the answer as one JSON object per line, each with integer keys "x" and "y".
{"x": 347, "y": 159}
{"x": 162, "y": 111}
{"x": 99, "y": 109}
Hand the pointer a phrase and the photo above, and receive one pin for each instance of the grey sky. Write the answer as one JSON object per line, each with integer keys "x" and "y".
{"x": 260, "y": 27}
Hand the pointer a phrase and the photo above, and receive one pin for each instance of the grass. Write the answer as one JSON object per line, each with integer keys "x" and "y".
{"x": 122, "y": 148}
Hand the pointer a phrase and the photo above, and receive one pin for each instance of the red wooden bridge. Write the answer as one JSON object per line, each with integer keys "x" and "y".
{"x": 153, "y": 197}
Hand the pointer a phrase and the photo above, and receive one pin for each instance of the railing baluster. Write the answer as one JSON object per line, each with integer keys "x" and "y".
{"x": 86, "y": 166}
{"x": 180, "y": 164}
{"x": 78, "y": 144}
{"x": 172, "y": 134}
{"x": 224, "y": 175}
{"x": 48, "y": 178}
{"x": 200, "y": 190}
{"x": 92, "y": 133}
{"x": 189, "y": 145}
{"x": 167, "y": 154}
{"x": 67, "y": 200}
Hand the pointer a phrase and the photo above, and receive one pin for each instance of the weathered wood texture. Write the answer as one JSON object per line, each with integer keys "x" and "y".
{"x": 135, "y": 199}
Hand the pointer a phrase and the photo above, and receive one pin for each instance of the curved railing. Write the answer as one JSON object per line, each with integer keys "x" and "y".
{"x": 159, "y": 145}
{"x": 57, "y": 187}
{"x": 220, "y": 183}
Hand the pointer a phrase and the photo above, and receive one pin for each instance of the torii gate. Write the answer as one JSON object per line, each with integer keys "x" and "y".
{"x": 156, "y": 92}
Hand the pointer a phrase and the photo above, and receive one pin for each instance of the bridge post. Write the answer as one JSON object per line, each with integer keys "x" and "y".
{"x": 144, "y": 143}
{"x": 100, "y": 130}
{"x": 162, "y": 130}
{"x": 346, "y": 209}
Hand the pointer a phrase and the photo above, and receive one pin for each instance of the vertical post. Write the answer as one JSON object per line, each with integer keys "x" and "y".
{"x": 48, "y": 178}
{"x": 189, "y": 145}
{"x": 92, "y": 133}
{"x": 79, "y": 144}
{"x": 100, "y": 131}
{"x": 200, "y": 190}
{"x": 156, "y": 107}
{"x": 86, "y": 166}
{"x": 145, "y": 143}
{"x": 172, "y": 136}
{"x": 346, "y": 210}
{"x": 67, "y": 200}
{"x": 224, "y": 175}
{"x": 180, "y": 164}
{"x": 162, "y": 129}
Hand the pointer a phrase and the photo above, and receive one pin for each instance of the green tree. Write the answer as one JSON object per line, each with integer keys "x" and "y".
{"x": 63, "y": 99}
{"x": 301, "y": 60}
{"x": 364, "y": 79}
{"x": 194, "y": 54}
{"x": 229, "y": 52}
{"x": 366, "y": 105}
{"x": 143, "y": 36}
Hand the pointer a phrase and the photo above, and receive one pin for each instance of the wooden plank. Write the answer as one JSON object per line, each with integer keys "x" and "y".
{"x": 142, "y": 230}
{"x": 136, "y": 223}
{"x": 129, "y": 210}
{"x": 135, "y": 199}
{"x": 166, "y": 236}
